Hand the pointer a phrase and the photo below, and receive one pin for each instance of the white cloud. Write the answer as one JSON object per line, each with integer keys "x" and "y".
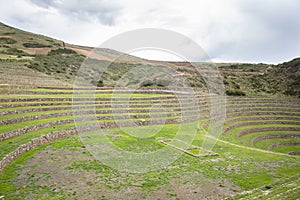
{"x": 232, "y": 30}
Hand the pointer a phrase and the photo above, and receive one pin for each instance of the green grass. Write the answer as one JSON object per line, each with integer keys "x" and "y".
{"x": 264, "y": 144}
{"x": 8, "y": 188}
{"x": 287, "y": 149}
{"x": 19, "y": 125}
{"x": 14, "y": 57}
{"x": 234, "y": 164}
{"x": 10, "y": 96}
{"x": 70, "y": 90}
{"x": 9, "y": 145}
{"x": 232, "y": 134}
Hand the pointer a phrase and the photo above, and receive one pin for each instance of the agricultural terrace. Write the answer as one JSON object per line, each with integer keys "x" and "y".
{"x": 42, "y": 156}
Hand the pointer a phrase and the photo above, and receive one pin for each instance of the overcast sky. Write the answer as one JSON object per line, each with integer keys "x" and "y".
{"x": 228, "y": 30}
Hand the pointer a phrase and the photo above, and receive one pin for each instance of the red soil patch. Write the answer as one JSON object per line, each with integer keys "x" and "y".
{"x": 39, "y": 51}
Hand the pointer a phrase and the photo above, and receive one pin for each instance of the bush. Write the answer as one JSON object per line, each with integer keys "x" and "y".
{"x": 235, "y": 93}
{"x": 291, "y": 92}
{"x": 9, "y": 33}
{"x": 97, "y": 83}
{"x": 7, "y": 41}
{"x": 62, "y": 51}
{"x": 155, "y": 83}
{"x": 235, "y": 85}
{"x": 57, "y": 63}
{"x": 35, "y": 45}
{"x": 268, "y": 187}
{"x": 15, "y": 51}
{"x": 147, "y": 83}
{"x": 225, "y": 82}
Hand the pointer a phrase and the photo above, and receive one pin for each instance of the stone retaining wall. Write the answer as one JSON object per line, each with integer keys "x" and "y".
{"x": 83, "y": 99}
{"x": 238, "y": 125}
{"x": 15, "y": 133}
{"x": 91, "y": 112}
{"x": 242, "y": 114}
{"x": 15, "y": 105}
{"x": 107, "y": 105}
{"x": 87, "y": 92}
{"x": 268, "y": 118}
{"x": 273, "y": 146}
{"x": 294, "y": 153}
{"x": 33, "y": 144}
{"x": 35, "y": 117}
{"x": 63, "y": 133}
{"x": 274, "y": 136}
{"x": 264, "y": 129}
{"x": 238, "y": 114}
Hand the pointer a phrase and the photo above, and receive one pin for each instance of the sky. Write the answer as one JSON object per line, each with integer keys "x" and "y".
{"x": 227, "y": 30}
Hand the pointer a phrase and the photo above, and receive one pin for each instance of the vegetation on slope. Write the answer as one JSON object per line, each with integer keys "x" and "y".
{"x": 263, "y": 79}
{"x": 62, "y": 61}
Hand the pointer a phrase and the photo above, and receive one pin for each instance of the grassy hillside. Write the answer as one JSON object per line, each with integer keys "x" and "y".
{"x": 13, "y": 40}
{"x": 255, "y": 79}
{"x": 62, "y": 61}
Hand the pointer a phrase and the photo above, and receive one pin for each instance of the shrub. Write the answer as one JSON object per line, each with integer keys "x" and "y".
{"x": 268, "y": 187}
{"x": 235, "y": 85}
{"x": 35, "y": 45}
{"x": 225, "y": 82}
{"x": 100, "y": 83}
{"x": 155, "y": 83}
{"x": 15, "y": 51}
{"x": 9, "y": 33}
{"x": 7, "y": 41}
{"x": 291, "y": 91}
{"x": 62, "y": 51}
{"x": 235, "y": 93}
{"x": 97, "y": 83}
{"x": 147, "y": 83}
